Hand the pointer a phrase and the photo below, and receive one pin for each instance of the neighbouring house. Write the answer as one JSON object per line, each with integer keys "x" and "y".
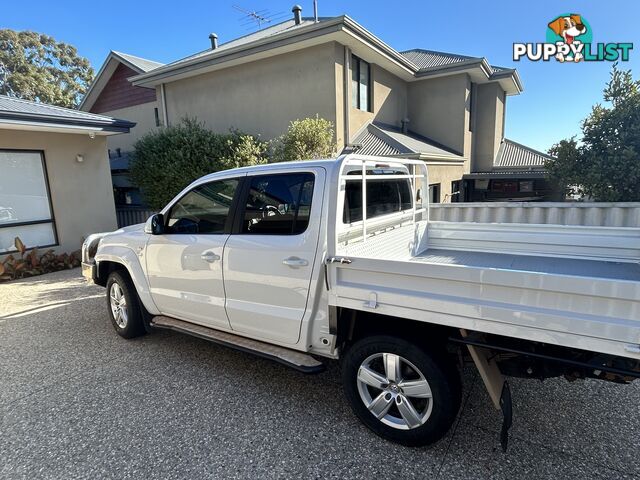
{"x": 446, "y": 109}
{"x": 112, "y": 94}
{"x": 517, "y": 173}
{"x": 55, "y": 184}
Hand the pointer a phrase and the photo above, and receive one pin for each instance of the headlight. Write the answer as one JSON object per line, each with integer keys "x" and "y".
{"x": 90, "y": 247}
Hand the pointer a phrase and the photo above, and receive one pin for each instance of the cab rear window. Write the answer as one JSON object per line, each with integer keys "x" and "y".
{"x": 384, "y": 196}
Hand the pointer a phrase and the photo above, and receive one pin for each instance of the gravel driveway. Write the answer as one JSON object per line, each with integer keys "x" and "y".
{"x": 77, "y": 401}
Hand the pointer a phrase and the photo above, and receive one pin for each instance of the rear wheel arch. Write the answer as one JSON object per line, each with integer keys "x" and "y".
{"x": 354, "y": 325}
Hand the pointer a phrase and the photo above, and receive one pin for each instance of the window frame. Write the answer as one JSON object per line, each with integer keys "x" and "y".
{"x": 229, "y": 222}
{"x": 52, "y": 218}
{"x": 356, "y": 63}
{"x": 243, "y": 197}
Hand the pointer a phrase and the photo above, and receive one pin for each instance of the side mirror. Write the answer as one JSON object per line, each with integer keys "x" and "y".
{"x": 155, "y": 224}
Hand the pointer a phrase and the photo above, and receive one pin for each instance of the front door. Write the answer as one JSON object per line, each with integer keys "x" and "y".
{"x": 184, "y": 265}
{"x": 268, "y": 262}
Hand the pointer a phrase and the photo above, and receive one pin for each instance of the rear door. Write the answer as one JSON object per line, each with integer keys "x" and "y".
{"x": 269, "y": 259}
{"x": 184, "y": 265}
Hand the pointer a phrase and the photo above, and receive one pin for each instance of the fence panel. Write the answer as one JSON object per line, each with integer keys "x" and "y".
{"x": 132, "y": 215}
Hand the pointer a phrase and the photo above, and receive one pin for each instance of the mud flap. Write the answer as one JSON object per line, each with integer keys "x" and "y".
{"x": 496, "y": 386}
{"x": 507, "y": 415}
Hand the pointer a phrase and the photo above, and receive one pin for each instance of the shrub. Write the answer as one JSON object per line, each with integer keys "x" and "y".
{"x": 30, "y": 264}
{"x": 167, "y": 160}
{"x": 305, "y": 139}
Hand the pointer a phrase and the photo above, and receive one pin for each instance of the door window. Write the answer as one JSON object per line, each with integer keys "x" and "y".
{"x": 205, "y": 209}
{"x": 278, "y": 204}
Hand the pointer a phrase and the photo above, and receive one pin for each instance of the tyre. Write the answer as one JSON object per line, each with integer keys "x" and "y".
{"x": 125, "y": 309}
{"x": 400, "y": 391}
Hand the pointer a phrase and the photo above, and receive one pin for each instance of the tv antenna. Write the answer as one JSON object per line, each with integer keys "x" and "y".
{"x": 258, "y": 17}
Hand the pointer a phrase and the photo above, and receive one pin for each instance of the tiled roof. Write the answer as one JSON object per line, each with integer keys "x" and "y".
{"x": 425, "y": 59}
{"x": 24, "y": 110}
{"x": 515, "y": 155}
{"x": 142, "y": 64}
{"x": 385, "y": 140}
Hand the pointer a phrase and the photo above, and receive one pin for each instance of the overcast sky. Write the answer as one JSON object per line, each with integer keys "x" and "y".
{"x": 556, "y": 97}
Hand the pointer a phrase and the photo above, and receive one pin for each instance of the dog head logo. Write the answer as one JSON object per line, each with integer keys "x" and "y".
{"x": 570, "y": 30}
{"x": 569, "y": 38}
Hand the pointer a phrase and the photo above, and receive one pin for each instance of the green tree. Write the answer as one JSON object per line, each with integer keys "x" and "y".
{"x": 305, "y": 139}
{"x": 34, "y": 66}
{"x": 167, "y": 160}
{"x": 605, "y": 164}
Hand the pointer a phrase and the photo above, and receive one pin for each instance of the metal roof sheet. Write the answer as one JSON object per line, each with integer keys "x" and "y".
{"x": 371, "y": 144}
{"x": 515, "y": 155}
{"x": 425, "y": 59}
{"x": 386, "y": 140}
{"x": 286, "y": 26}
{"x": 142, "y": 64}
{"x": 17, "y": 109}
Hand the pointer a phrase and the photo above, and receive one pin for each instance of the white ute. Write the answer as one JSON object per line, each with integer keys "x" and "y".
{"x": 282, "y": 260}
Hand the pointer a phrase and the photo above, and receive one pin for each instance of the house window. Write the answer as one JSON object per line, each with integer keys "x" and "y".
{"x": 157, "y": 116}
{"x": 25, "y": 205}
{"x": 360, "y": 84}
{"x": 434, "y": 193}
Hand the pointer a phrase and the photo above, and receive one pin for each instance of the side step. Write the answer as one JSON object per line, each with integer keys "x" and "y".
{"x": 291, "y": 358}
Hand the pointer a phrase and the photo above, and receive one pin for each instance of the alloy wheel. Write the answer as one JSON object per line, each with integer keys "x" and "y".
{"x": 118, "y": 304}
{"x": 395, "y": 391}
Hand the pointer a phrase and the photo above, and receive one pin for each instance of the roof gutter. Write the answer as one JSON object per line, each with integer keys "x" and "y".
{"x": 117, "y": 125}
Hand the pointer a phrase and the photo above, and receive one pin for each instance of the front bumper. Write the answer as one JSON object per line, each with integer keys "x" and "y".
{"x": 89, "y": 271}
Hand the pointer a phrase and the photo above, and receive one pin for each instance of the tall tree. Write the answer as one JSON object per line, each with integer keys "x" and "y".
{"x": 605, "y": 163}
{"x": 34, "y": 66}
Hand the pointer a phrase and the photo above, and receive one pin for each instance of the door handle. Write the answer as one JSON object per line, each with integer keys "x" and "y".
{"x": 295, "y": 262}
{"x": 209, "y": 257}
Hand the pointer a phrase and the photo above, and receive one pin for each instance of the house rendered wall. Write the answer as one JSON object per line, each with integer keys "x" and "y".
{"x": 489, "y": 125}
{"x": 144, "y": 117}
{"x": 389, "y": 101}
{"x": 439, "y": 110}
{"x": 81, "y": 193}
{"x": 261, "y": 97}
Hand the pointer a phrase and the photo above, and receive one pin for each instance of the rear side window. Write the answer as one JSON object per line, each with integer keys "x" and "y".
{"x": 383, "y": 197}
{"x": 278, "y": 204}
{"x": 204, "y": 209}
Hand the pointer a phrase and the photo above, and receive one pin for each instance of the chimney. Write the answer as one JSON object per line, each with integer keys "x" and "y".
{"x": 297, "y": 14}
{"x": 405, "y": 125}
{"x": 214, "y": 40}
